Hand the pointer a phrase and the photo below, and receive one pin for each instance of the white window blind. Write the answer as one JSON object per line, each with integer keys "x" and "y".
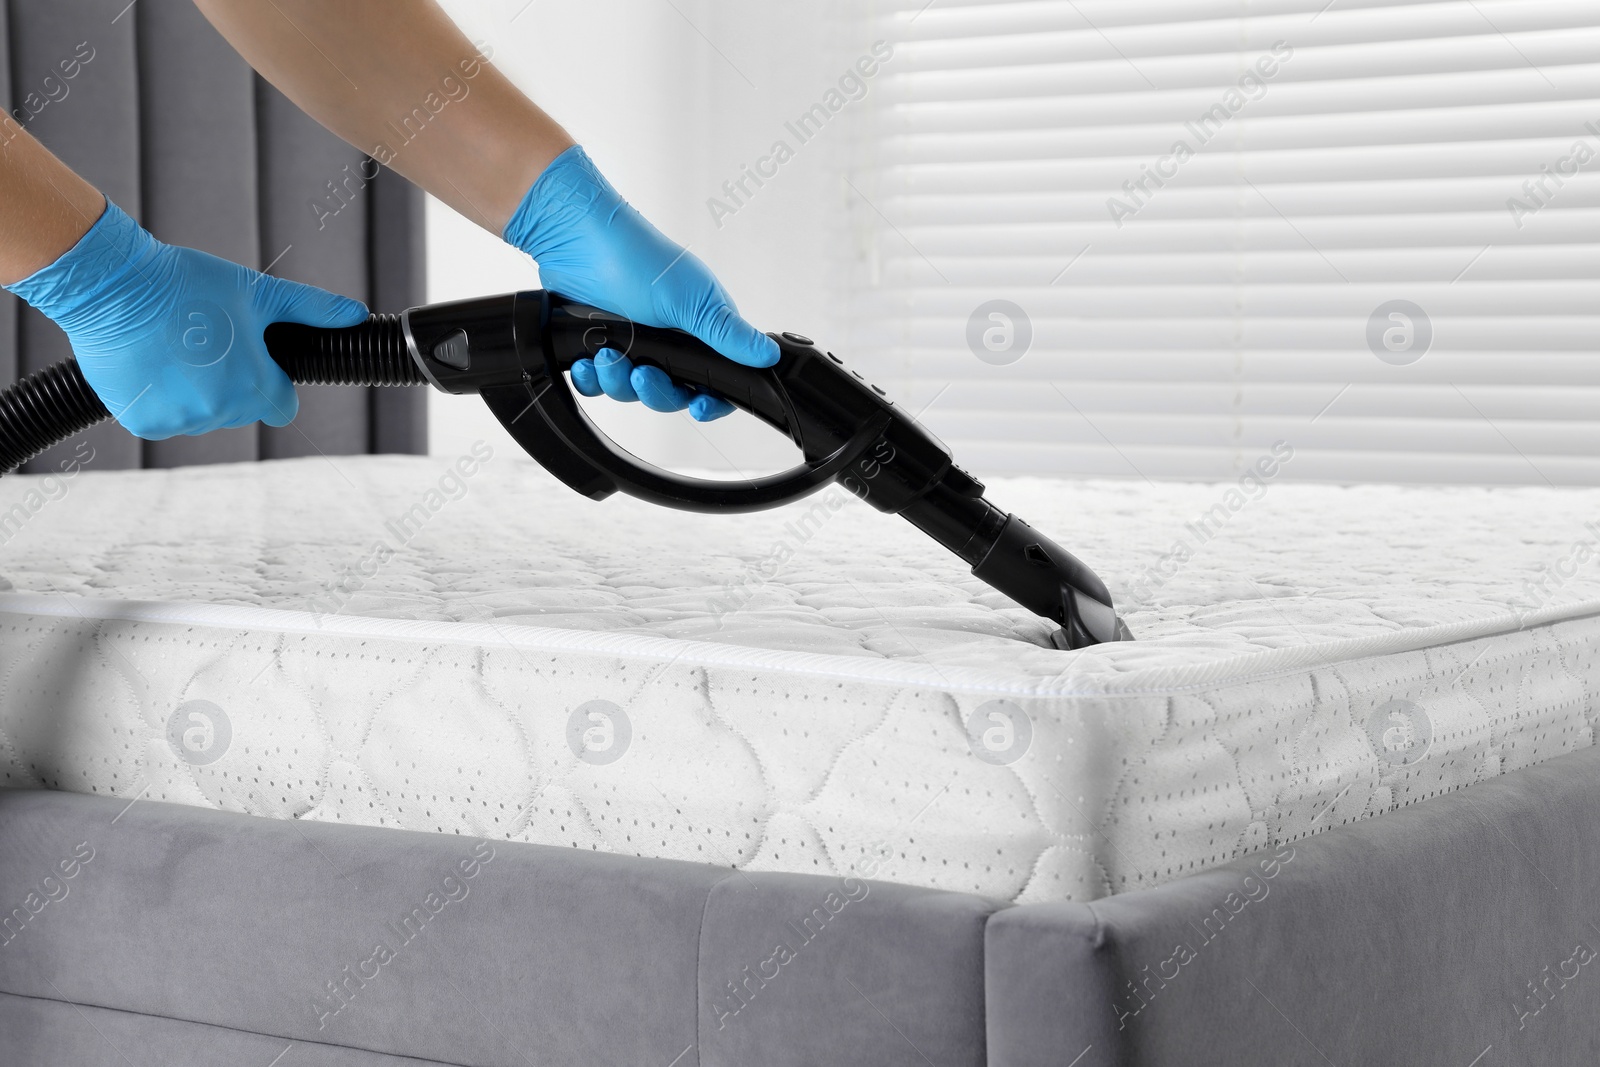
{"x": 1379, "y": 243}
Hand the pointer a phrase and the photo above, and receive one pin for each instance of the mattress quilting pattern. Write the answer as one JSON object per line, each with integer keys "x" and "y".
{"x": 465, "y": 646}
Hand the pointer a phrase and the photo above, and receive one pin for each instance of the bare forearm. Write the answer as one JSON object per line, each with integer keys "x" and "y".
{"x": 398, "y": 80}
{"x": 44, "y": 207}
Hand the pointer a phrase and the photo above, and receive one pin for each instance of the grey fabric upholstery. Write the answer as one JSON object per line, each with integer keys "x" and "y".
{"x": 1460, "y": 931}
{"x": 545, "y": 955}
{"x": 197, "y": 169}
{"x": 173, "y": 126}
{"x": 266, "y": 927}
{"x": 883, "y": 974}
{"x": 8, "y": 308}
{"x": 95, "y": 131}
{"x": 1425, "y": 937}
{"x": 297, "y": 162}
{"x": 49, "y": 1033}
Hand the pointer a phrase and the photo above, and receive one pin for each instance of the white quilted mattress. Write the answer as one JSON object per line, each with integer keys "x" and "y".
{"x": 792, "y": 690}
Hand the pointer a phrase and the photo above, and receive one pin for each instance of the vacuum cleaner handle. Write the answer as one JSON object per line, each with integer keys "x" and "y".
{"x": 514, "y": 352}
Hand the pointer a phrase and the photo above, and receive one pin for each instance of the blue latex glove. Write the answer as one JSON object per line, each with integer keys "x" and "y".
{"x": 593, "y": 247}
{"x": 171, "y": 338}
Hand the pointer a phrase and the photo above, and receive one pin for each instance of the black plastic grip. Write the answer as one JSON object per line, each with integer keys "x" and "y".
{"x": 832, "y": 414}
{"x": 515, "y": 352}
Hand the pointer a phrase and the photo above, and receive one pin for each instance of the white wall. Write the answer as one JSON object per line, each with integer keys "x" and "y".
{"x": 670, "y": 98}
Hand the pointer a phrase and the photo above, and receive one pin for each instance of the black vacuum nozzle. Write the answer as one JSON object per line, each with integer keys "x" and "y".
{"x": 1019, "y": 561}
{"x": 514, "y": 351}
{"x": 1025, "y": 564}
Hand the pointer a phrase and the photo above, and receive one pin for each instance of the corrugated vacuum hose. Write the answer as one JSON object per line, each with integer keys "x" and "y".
{"x": 56, "y": 404}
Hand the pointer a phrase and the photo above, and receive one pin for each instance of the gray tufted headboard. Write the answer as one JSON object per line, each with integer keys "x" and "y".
{"x": 153, "y": 107}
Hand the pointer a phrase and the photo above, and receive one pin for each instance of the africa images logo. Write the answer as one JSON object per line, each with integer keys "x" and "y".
{"x": 1399, "y": 333}
{"x": 599, "y": 732}
{"x": 999, "y": 332}
{"x": 205, "y": 334}
{"x": 199, "y": 732}
{"x": 1400, "y": 732}
{"x": 999, "y": 732}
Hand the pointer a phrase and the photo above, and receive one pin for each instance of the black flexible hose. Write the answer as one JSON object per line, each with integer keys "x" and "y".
{"x": 55, "y": 404}
{"x": 373, "y": 353}
{"x": 43, "y": 409}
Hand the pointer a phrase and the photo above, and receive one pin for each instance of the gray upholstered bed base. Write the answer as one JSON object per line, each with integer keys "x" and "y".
{"x": 1459, "y": 932}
